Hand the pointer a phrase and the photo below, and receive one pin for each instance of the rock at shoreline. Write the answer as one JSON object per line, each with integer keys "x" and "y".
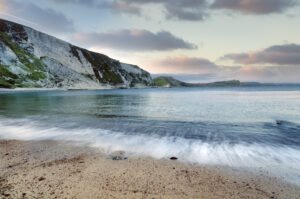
{"x": 118, "y": 155}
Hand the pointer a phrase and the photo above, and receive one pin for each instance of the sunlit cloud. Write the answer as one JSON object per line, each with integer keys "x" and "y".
{"x": 269, "y": 74}
{"x": 193, "y": 69}
{"x": 260, "y": 7}
{"x": 288, "y": 54}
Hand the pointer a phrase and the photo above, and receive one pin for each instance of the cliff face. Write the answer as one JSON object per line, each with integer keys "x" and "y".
{"x": 29, "y": 58}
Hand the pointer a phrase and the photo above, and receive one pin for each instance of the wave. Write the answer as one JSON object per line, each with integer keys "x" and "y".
{"x": 282, "y": 161}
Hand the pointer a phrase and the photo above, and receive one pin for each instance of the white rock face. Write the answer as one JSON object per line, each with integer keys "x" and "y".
{"x": 49, "y": 62}
{"x": 131, "y": 69}
{"x": 64, "y": 77}
{"x": 47, "y": 46}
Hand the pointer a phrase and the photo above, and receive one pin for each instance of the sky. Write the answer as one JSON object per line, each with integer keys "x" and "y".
{"x": 192, "y": 40}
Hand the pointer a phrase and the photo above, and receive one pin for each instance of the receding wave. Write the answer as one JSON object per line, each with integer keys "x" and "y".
{"x": 280, "y": 160}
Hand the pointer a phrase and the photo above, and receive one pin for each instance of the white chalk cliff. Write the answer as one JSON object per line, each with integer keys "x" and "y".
{"x": 29, "y": 58}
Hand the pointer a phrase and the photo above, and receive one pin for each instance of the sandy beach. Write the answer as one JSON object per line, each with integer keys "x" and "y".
{"x": 49, "y": 169}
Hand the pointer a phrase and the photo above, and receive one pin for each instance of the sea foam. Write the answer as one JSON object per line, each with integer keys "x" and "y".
{"x": 281, "y": 161}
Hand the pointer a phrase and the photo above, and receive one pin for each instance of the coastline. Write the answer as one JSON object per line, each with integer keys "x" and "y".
{"x": 6, "y": 90}
{"x": 52, "y": 169}
{"x": 19, "y": 90}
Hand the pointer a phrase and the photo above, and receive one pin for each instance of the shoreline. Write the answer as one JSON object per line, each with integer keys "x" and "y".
{"x": 7, "y": 90}
{"x": 20, "y": 90}
{"x": 54, "y": 169}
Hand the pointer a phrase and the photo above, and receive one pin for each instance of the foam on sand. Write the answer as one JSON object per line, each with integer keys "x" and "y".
{"x": 277, "y": 160}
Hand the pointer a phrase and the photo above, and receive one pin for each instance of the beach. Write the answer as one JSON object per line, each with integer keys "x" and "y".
{"x": 52, "y": 169}
{"x": 148, "y": 99}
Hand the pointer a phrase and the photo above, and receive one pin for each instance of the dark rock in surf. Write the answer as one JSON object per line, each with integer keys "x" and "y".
{"x": 118, "y": 155}
{"x": 173, "y": 158}
{"x": 113, "y": 157}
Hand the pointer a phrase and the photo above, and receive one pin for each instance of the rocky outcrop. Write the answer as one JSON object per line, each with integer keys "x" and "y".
{"x": 29, "y": 58}
{"x": 163, "y": 81}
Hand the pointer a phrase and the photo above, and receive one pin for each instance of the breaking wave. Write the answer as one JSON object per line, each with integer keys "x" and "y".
{"x": 278, "y": 159}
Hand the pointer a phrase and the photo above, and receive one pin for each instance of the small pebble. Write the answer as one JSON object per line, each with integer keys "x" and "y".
{"x": 41, "y": 178}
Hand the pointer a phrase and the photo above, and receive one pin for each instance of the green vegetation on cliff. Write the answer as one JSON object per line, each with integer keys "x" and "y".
{"x": 102, "y": 64}
{"x": 160, "y": 81}
{"x": 7, "y": 79}
{"x": 33, "y": 66}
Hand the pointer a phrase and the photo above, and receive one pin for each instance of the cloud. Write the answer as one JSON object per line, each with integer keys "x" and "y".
{"x": 185, "y": 64}
{"x": 121, "y": 6}
{"x": 196, "y": 66}
{"x": 49, "y": 19}
{"x": 273, "y": 74}
{"x": 260, "y": 7}
{"x": 188, "y": 10}
{"x": 255, "y": 73}
{"x": 190, "y": 78}
{"x": 87, "y": 2}
{"x": 194, "y": 69}
{"x": 191, "y": 10}
{"x": 133, "y": 40}
{"x": 288, "y": 54}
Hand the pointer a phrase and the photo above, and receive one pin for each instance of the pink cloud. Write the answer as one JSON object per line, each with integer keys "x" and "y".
{"x": 255, "y": 6}
{"x": 288, "y": 54}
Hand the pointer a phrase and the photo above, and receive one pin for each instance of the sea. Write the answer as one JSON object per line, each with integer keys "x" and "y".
{"x": 255, "y": 128}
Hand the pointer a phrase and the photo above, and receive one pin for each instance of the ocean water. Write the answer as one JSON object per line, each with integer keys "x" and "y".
{"x": 255, "y": 128}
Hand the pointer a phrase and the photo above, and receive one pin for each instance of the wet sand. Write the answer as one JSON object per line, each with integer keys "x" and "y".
{"x": 49, "y": 169}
